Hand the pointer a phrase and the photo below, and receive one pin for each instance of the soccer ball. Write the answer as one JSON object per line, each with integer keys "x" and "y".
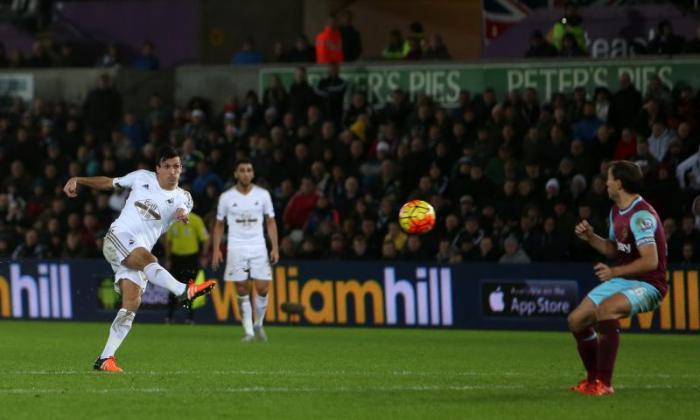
{"x": 416, "y": 217}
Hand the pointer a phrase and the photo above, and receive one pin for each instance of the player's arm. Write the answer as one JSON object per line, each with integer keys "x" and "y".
{"x": 182, "y": 214}
{"x": 95, "y": 182}
{"x": 648, "y": 261}
{"x": 216, "y": 255}
{"x": 271, "y": 225}
{"x": 218, "y": 231}
{"x": 605, "y": 246}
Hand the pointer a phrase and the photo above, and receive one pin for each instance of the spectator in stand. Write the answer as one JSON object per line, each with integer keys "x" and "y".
{"x": 539, "y": 47}
{"x": 110, "y": 58}
{"x": 301, "y": 95}
{"x": 247, "y": 54}
{"x": 329, "y": 43}
{"x": 398, "y": 48}
{"x": 39, "y": 57}
{"x": 659, "y": 140}
{"x": 665, "y": 42}
{"x": 586, "y": 128}
{"x": 30, "y": 248}
{"x": 513, "y": 253}
{"x": 570, "y": 23}
{"x": 302, "y": 52}
{"x": 569, "y": 47}
{"x": 688, "y": 173}
{"x": 301, "y": 205}
{"x": 352, "y": 40}
{"x": 625, "y": 105}
{"x": 65, "y": 57}
{"x": 436, "y": 49}
{"x": 148, "y": 59}
{"x": 275, "y": 96}
{"x": 331, "y": 91}
{"x": 102, "y": 108}
{"x": 626, "y": 146}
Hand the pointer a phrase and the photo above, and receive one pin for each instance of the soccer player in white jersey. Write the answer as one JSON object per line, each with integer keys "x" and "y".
{"x": 154, "y": 203}
{"x": 244, "y": 207}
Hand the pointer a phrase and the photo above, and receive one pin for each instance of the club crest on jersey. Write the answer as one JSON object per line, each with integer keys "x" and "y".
{"x": 170, "y": 201}
{"x": 147, "y": 209}
{"x": 146, "y": 186}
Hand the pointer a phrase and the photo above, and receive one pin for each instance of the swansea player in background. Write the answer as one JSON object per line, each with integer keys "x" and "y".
{"x": 635, "y": 284}
{"x": 154, "y": 203}
{"x": 244, "y": 207}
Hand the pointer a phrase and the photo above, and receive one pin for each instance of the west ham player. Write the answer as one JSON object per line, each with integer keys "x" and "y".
{"x": 244, "y": 207}
{"x": 155, "y": 202}
{"x": 636, "y": 283}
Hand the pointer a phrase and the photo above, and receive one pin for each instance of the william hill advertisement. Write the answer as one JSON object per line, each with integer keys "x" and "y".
{"x": 371, "y": 294}
{"x": 359, "y": 294}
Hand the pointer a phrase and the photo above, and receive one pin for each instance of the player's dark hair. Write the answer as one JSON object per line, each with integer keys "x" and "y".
{"x": 165, "y": 153}
{"x": 629, "y": 174}
{"x": 242, "y": 161}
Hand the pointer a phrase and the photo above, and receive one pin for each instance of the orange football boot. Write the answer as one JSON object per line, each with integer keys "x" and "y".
{"x": 581, "y": 386}
{"x": 108, "y": 365}
{"x": 598, "y": 388}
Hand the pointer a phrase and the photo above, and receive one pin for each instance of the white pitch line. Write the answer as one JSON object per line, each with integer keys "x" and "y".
{"x": 405, "y": 373}
{"x": 343, "y": 389}
{"x": 248, "y": 389}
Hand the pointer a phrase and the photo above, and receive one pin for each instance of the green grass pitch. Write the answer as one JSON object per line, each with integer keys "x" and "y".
{"x": 205, "y": 372}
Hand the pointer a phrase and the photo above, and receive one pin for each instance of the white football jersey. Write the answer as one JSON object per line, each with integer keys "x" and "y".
{"x": 150, "y": 210}
{"x": 244, "y": 214}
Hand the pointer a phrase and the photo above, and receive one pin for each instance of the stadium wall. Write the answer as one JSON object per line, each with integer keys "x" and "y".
{"x": 369, "y": 294}
{"x": 442, "y": 81}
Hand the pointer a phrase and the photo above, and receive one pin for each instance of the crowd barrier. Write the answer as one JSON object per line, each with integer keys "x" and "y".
{"x": 371, "y": 294}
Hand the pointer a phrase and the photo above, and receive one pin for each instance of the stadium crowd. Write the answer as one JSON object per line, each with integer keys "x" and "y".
{"x": 509, "y": 177}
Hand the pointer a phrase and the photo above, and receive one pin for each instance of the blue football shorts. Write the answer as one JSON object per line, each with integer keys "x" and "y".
{"x": 643, "y": 297}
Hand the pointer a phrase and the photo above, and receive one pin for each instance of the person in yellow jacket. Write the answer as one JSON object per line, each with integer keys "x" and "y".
{"x": 184, "y": 245}
{"x": 569, "y": 24}
{"x": 398, "y": 48}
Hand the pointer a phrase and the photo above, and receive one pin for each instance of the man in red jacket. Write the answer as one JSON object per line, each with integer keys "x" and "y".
{"x": 329, "y": 43}
{"x": 301, "y": 205}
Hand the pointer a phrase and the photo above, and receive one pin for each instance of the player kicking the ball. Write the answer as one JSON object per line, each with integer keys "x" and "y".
{"x": 155, "y": 202}
{"x": 243, "y": 207}
{"x": 637, "y": 283}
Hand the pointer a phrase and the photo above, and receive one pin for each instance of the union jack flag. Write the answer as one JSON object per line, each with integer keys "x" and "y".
{"x": 500, "y": 15}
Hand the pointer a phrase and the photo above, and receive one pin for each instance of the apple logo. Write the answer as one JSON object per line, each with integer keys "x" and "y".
{"x": 496, "y": 300}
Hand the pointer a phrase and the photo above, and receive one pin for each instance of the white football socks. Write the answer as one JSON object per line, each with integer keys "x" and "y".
{"x": 117, "y": 332}
{"x": 156, "y": 274}
{"x": 260, "y": 309}
{"x": 246, "y": 314}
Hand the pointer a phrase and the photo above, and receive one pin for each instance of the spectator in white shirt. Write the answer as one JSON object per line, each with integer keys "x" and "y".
{"x": 659, "y": 140}
{"x": 688, "y": 172}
